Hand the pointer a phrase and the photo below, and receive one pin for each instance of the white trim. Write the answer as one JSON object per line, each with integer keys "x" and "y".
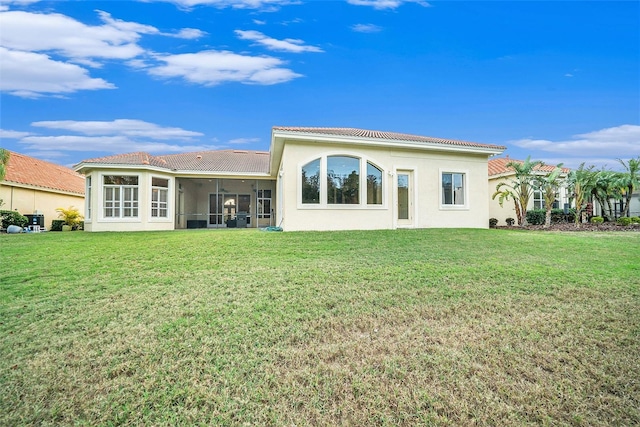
{"x": 116, "y": 219}
{"x": 463, "y": 207}
{"x": 323, "y": 204}
{"x": 170, "y": 201}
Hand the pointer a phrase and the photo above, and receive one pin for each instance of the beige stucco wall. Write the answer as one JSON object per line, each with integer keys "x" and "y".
{"x": 144, "y": 221}
{"x": 28, "y": 200}
{"x": 426, "y": 166}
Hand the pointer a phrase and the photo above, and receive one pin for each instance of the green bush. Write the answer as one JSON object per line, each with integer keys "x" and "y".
{"x": 493, "y": 222}
{"x": 597, "y": 220}
{"x": 510, "y": 221}
{"x": 536, "y": 216}
{"x": 13, "y": 218}
{"x": 625, "y": 220}
{"x": 56, "y": 224}
{"x": 635, "y": 219}
{"x": 557, "y": 215}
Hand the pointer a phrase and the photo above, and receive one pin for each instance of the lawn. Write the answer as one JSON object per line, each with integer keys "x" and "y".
{"x": 242, "y": 327}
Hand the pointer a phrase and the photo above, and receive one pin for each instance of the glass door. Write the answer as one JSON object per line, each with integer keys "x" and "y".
{"x": 404, "y": 192}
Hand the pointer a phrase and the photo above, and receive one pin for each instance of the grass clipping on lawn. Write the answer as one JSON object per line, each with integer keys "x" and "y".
{"x": 237, "y": 327}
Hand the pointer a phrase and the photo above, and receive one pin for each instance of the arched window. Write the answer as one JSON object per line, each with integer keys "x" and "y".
{"x": 311, "y": 182}
{"x": 374, "y": 185}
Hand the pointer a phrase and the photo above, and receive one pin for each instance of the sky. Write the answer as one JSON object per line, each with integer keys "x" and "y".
{"x": 555, "y": 80}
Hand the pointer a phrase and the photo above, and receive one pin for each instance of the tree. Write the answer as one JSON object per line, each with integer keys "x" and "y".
{"x": 549, "y": 185}
{"x": 605, "y": 189}
{"x": 629, "y": 181}
{"x": 520, "y": 188}
{"x": 4, "y": 160}
{"x": 581, "y": 183}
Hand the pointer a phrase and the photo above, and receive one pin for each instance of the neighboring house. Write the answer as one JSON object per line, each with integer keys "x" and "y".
{"x": 311, "y": 179}
{"x": 499, "y": 172}
{"x": 33, "y": 186}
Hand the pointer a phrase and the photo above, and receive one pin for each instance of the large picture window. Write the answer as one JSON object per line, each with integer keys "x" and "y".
{"x": 311, "y": 182}
{"x": 453, "y": 189}
{"x": 343, "y": 180}
{"x": 159, "y": 197}
{"x": 120, "y": 196}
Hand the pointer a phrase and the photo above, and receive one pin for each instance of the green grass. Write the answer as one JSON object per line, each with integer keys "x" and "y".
{"x": 240, "y": 327}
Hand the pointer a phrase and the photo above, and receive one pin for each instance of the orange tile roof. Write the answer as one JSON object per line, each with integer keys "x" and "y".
{"x": 233, "y": 161}
{"x": 389, "y": 136}
{"x": 27, "y": 170}
{"x": 498, "y": 166}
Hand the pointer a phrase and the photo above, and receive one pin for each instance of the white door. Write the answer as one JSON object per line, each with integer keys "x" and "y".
{"x": 404, "y": 198}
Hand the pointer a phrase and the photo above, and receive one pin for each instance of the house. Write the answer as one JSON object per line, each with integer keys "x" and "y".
{"x": 500, "y": 172}
{"x": 33, "y": 186}
{"x": 311, "y": 179}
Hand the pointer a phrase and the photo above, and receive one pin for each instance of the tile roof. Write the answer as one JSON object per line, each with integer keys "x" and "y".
{"x": 27, "y": 170}
{"x": 498, "y": 166}
{"x": 388, "y": 136}
{"x": 234, "y": 161}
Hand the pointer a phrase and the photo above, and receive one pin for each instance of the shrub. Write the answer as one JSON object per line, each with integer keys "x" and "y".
{"x": 625, "y": 220}
{"x": 70, "y": 216}
{"x": 13, "y": 218}
{"x": 493, "y": 222}
{"x": 56, "y": 225}
{"x": 536, "y": 216}
{"x": 635, "y": 219}
{"x": 597, "y": 220}
{"x": 557, "y": 215}
{"x": 510, "y": 221}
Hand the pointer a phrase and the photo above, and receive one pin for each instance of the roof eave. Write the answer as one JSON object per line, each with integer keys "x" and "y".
{"x": 393, "y": 143}
{"x": 82, "y": 166}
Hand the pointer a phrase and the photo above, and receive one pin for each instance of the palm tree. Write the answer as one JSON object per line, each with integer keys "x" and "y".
{"x": 604, "y": 190}
{"x": 549, "y": 185}
{"x": 629, "y": 181}
{"x": 581, "y": 183}
{"x": 520, "y": 188}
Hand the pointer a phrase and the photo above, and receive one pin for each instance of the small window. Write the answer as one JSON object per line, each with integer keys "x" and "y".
{"x": 311, "y": 182}
{"x": 453, "y": 189}
{"x": 343, "y": 180}
{"x": 88, "y": 198}
{"x": 159, "y": 197}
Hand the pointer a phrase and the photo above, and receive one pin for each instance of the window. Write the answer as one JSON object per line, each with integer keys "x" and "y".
{"x": 264, "y": 203}
{"x": 88, "y": 198}
{"x": 538, "y": 200}
{"x": 311, "y": 182}
{"x": 159, "y": 197}
{"x": 343, "y": 180}
{"x": 120, "y": 196}
{"x": 374, "y": 185}
{"x": 453, "y": 189}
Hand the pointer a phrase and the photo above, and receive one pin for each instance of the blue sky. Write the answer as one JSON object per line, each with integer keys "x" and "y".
{"x": 559, "y": 81}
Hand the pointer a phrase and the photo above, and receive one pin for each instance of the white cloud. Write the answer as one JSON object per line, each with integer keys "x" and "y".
{"x": 385, "y": 4}
{"x": 258, "y": 22}
{"x": 12, "y": 134}
{"x": 286, "y": 45}
{"x": 568, "y": 75}
{"x": 212, "y": 67}
{"x": 111, "y": 144}
{"x": 366, "y": 28}
{"x": 241, "y": 141}
{"x": 236, "y": 4}
{"x": 190, "y": 33}
{"x": 30, "y": 75}
{"x": 615, "y": 142}
{"x": 125, "y": 127}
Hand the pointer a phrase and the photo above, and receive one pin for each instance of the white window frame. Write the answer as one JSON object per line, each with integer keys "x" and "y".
{"x": 167, "y": 206}
{"x": 122, "y": 203}
{"x": 363, "y": 160}
{"x": 88, "y": 195}
{"x": 465, "y": 189}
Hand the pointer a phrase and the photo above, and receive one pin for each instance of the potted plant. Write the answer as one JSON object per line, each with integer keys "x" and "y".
{"x": 71, "y": 218}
